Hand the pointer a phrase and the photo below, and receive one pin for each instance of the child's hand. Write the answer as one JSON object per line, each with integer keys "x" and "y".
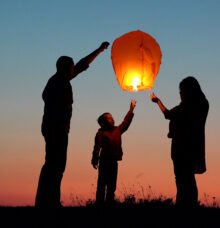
{"x": 153, "y": 97}
{"x": 133, "y": 104}
{"x": 94, "y": 164}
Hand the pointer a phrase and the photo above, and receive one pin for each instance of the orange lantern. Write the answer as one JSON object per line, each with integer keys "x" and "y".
{"x": 136, "y": 59}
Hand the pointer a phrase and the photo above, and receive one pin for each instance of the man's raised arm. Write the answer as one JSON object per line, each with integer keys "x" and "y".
{"x": 83, "y": 64}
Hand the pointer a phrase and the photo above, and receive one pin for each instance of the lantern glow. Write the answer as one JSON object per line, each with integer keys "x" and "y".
{"x": 135, "y": 82}
{"x": 136, "y": 59}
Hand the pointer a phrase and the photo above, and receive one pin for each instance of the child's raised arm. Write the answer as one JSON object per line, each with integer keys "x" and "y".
{"x": 128, "y": 118}
{"x": 132, "y": 105}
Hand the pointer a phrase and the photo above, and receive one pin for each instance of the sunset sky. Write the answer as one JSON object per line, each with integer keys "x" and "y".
{"x": 35, "y": 33}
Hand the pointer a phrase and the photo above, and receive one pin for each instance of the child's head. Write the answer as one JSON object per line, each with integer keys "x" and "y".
{"x": 106, "y": 120}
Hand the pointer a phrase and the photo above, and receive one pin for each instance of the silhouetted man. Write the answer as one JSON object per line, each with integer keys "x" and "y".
{"x": 58, "y": 99}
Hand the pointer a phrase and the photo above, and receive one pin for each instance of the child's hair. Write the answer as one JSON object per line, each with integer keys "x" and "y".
{"x": 101, "y": 118}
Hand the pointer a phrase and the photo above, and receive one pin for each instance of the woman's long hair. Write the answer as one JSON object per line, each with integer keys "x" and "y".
{"x": 191, "y": 91}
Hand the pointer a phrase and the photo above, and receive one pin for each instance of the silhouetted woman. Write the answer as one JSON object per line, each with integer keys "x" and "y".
{"x": 187, "y": 130}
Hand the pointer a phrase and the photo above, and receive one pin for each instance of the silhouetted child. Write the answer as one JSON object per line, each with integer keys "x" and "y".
{"x": 107, "y": 152}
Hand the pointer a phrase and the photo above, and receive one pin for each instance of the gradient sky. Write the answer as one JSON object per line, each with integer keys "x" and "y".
{"x": 35, "y": 33}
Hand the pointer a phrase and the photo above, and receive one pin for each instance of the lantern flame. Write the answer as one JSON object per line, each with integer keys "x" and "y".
{"x": 135, "y": 82}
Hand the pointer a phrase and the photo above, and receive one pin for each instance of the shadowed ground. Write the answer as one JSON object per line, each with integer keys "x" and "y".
{"x": 118, "y": 216}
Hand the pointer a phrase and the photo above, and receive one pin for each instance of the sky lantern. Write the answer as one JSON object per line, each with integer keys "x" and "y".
{"x": 136, "y": 59}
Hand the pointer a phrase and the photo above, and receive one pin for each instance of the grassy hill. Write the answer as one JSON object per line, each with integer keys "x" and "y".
{"x": 126, "y": 214}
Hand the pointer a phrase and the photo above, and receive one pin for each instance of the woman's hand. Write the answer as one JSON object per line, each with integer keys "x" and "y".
{"x": 153, "y": 98}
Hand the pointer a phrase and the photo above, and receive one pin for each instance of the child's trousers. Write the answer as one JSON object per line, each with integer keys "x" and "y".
{"x": 107, "y": 180}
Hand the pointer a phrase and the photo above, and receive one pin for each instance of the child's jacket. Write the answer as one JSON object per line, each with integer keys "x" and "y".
{"x": 108, "y": 141}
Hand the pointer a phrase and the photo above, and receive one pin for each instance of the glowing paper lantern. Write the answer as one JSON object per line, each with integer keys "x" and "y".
{"x": 136, "y": 59}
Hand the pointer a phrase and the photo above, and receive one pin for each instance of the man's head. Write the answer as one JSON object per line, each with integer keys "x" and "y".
{"x": 106, "y": 120}
{"x": 65, "y": 66}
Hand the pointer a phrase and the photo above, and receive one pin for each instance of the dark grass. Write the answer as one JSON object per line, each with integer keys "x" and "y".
{"x": 129, "y": 213}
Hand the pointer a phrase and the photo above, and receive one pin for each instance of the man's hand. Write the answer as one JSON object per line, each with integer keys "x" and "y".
{"x": 153, "y": 98}
{"x": 132, "y": 105}
{"x": 104, "y": 46}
